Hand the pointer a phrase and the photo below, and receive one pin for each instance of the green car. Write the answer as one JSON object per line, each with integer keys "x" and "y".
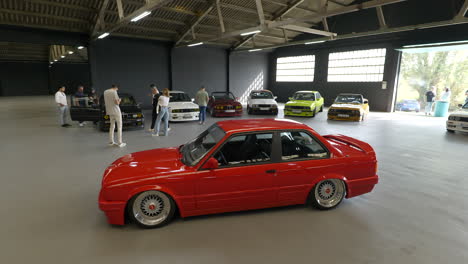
{"x": 304, "y": 103}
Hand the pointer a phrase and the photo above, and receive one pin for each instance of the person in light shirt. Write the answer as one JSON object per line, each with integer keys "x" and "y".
{"x": 112, "y": 102}
{"x": 61, "y": 100}
{"x": 163, "y": 113}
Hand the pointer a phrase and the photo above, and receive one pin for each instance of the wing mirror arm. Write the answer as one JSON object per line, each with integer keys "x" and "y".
{"x": 211, "y": 164}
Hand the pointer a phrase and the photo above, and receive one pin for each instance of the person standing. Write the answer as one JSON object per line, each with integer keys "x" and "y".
{"x": 155, "y": 96}
{"x": 80, "y": 98}
{"x": 201, "y": 98}
{"x": 112, "y": 102}
{"x": 430, "y": 95}
{"x": 162, "y": 110}
{"x": 61, "y": 100}
{"x": 446, "y": 95}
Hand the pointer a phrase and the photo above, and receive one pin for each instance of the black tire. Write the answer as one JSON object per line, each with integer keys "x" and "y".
{"x": 338, "y": 194}
{"x": 249, "y": 111}
{"x": 169, "y": 213}
{"x": 313, "y": 112}
{"x": 450, "y": 130}
{"x": 321, "y": 109}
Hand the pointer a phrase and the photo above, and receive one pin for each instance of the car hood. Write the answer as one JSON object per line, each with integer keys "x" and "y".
{"x": 225, "y": 101}
{"x": 463, "y": 113}
{"x": 348, "y": 106}
{"x": 300, "y": 102}
{"x": 182, "y": 105}
{"x": 263, "y": 101}
{"x": 129, "y": 109}
{"x": 143, "y": 164}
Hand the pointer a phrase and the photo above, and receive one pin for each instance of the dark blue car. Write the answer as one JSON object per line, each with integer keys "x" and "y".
{"x": 408, "y": 105}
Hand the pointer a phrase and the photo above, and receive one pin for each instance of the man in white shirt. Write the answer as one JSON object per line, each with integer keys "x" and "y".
{"x": 112, "y": 101}
{"x": 61, "y": 100}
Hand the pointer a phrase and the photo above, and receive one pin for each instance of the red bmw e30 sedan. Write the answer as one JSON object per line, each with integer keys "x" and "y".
{"x": 237, "y": 165}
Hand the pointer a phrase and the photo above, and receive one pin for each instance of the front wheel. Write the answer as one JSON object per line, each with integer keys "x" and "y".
{"x": 151, "y": 209}
{"x": 327, "y": 194}
{"x": 321, "y": 109}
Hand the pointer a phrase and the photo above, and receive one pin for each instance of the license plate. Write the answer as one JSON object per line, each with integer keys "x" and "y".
{"x": 187, "y": 116}
{"x": 341, "y": 115}
{"x": 264, "y": 108}
{"x": 230, "y": 111}
{"x": 297, "y": 111}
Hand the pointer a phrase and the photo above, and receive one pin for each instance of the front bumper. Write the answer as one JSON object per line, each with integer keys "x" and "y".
{"x": 264, "y": 110}
{"x": 457, "y": 126}
{"x": 220, "y": 112}
{"x": 180, "y": 117}
{"x": 298, "y": 112}
{"x": 114, "y": 210}
{"x": 137, "y": 123}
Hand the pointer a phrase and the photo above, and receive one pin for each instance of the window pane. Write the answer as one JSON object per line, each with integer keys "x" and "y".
{"x": 300, "y": 145}
{"x": 356, "y": 66}
{"x": 295, "y": 69}
{"x": 245, "y": 149}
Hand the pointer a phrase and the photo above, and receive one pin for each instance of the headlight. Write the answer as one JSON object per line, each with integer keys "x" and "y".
{"x": 274, "y": 106}
{"x": 106, "y": 117}
{"x": 238, "y": 106}
{"x": 139, "y": 115}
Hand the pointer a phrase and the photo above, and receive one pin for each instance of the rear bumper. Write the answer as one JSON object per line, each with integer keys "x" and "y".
{"x": 457, "y": 126}
{"x": 361, "y": 186}
{"x": 351, "y": 118}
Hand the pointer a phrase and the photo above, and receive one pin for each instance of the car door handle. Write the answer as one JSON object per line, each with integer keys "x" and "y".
{"x": 270, "y": 171}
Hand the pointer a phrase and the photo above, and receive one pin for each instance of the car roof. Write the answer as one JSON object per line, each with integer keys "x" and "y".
{"x": 350, "y": 94}
{"x": 257, "y": 91}
{"x": 176, "y": 92}
{"x": 246, "y": 125}
{"x": 306, "y": 92}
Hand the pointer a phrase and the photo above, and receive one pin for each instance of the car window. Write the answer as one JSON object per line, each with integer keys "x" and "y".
{"x": 353, "y": 99}
{"x": 301, "y": 145}
{"x": 179, "y": 97}
{"x": 197, "y": 148}
{"x": 318, "y": 95}
{"x": 304, "y": 96}
{"x": 83, "y": 101}
{"x": 261, "y": 95}
{"x": 245, "y": 149}
{"x": 223, "y": 96}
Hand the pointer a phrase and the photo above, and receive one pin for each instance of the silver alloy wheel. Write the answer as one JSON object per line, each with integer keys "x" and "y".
{"x": 151, "y": 208}
{"x": 329, "y": 193}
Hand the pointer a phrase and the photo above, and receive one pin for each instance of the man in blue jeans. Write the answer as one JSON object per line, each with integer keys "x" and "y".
{"x": 201, "y": 98}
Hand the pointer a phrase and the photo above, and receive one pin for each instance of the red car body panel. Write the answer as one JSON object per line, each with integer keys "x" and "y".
{"x": 197, "y": 191}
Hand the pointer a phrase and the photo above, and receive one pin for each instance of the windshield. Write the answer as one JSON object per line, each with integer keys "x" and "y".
{"x": 127, "y": 100}
{"x": 261, "y": 95}
{"x": 465, "y": 106}
{"x": 350, "y": 99}
{"x": 196, "y": 149}
{"x": 304, "y": 96}
{"x": 410, "y": 101}
{"x": 180, "y": 97}
{"x": 221, "y": 96}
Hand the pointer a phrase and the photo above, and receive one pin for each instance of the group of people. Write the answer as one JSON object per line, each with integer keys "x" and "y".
{"x": 160, "y": 109}
{"x": 431, "y": 96}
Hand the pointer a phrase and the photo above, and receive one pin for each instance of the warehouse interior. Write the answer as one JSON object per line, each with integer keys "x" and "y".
{"x": 51, "y": 176}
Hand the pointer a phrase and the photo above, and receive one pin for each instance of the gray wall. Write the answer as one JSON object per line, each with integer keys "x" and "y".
{"x": 71, "y": 75}
{"x": 24, "y": 78}
{"x": 131, "y": 64}
{"x": 248, "y": 71}
{"x": 193, "y": 67}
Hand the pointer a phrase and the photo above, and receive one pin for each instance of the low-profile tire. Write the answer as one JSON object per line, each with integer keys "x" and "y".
{"x": 450, "y": 131}
{"x": 327, "y": 194}
{"x": 321, "y": 109}
{"x": 151, "y": 209}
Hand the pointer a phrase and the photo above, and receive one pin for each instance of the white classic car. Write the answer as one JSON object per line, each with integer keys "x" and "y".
{"x": 458, "y": 121}
{"x": 182, "y": 108}
{"x": 262, "y": 101}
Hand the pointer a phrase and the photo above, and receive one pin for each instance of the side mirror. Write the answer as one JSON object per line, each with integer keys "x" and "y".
{"x": 237, "y": 98}
{"x": 275, "y": 97}
{"x": 193, "y": 99}
{"x": 211, "y": 164}
{"x": 366, "y": 101}
{"x": 460, "y": 105}
{"x": 139, "y": 104}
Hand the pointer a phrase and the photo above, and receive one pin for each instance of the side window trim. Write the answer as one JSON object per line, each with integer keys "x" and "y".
{"x": 280, "y": 153}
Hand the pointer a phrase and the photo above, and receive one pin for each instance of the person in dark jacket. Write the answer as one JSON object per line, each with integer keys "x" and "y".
{"x": 430, "y": 96}
{"x": 155, "y": 96}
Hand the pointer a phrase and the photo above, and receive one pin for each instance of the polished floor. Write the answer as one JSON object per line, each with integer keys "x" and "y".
{"x": 50, "y": 178}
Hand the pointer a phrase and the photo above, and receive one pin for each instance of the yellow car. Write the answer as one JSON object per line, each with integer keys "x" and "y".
{"x": 352, "y": 107}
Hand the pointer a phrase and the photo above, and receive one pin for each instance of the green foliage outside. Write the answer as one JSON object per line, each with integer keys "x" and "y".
{"x": 420, "y": 71}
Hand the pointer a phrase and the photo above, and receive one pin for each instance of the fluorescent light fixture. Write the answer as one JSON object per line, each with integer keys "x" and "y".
{"x": 142, "y": 15}
{"x": 103, "y": 35}
{"x": 437, "y": 44}
{"x": 253, "y": 50}
{"x": 63, "y": 56}
{"x": 51, "y": 62}
{"x": 55, "y": 60}
{"x": 250, "y": 33}
{"x": 80, "y": 47}
{"x": 314, "y": 42}
{"x": 195, "y": 44}
{"x": 70, "y": 52}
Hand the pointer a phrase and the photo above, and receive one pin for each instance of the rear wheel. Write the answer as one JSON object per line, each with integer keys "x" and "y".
{"x": 151, "y": 209}
{"x": 327, "y": 194}
{"x": 321, "y": 109}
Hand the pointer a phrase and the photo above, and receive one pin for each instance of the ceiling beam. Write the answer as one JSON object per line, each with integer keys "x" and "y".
{"x": 309, "y": 30}
{"x": 381, "y": 17}
{"x": 124, "y": 21}
{"x": 195, "y": 23}
{"x": 100, "y": 17}
{"x": 261, "y": 15}
{"x": 463, "y": 10}
{"x": 120, "y": 9}
{"x": 220, "y": 17}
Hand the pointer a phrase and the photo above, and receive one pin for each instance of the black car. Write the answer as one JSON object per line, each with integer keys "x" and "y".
{"x": 91, "y": 109}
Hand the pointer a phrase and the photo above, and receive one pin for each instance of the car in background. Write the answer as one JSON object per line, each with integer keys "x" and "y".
{"x": 347, "y": 106}
{"x": 408, "y": 105}
{"x": 262, "y": 101}
{"x": 237, "y": 165}
{"x": 224, "y": 104}
{"x": 182, "y": 108}
{"x": 458, "y": 121}
{"x": 82, "y": 109}
{"x": 304, "y": 103}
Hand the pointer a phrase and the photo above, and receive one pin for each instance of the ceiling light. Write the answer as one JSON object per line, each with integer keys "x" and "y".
{"x": 252, "y": 50}
{"x": 70, "y": 52}
{"x": 51, "y": 62}
{"x": 250, "y": 33}
{"x": 314, "y": 42}
{"x": 142, "y": 15}
{"x": 80, "y": 47}
{"x": 103, "y": 35}
{"x": 63, "y": 56}
{"x": 437, "y": 44}
{"x": 195, "y": 44}
{"x": 55, "y": 60}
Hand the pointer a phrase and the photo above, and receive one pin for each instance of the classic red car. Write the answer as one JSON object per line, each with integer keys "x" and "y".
{"x": 237, "y": 165}
{"x": 224, "y": 104}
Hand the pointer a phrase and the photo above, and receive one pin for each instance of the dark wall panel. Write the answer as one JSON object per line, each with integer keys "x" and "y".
{"x": 70, "y": 75}
{"x": 24, "y": 78}
{"x": 248, "y": 71}
{"x": 131, "y": 64}
{"x": 193, "y": 67}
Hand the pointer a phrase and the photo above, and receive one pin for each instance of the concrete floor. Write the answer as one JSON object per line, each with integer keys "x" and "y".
{"x": 50, "y": 178}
